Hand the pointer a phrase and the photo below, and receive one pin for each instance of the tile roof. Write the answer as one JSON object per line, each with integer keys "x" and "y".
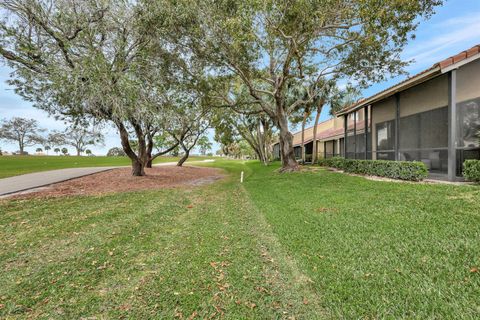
{"x": 459, "y": 57}
{"x": 420, "y": 77}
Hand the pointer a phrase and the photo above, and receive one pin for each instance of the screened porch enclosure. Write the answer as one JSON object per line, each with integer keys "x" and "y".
{"x": 436, "y": 122}
{"x": 308, "y": 151}
{"x": 357, "y": 143}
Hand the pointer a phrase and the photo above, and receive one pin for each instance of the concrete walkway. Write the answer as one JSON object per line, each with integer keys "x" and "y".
{"x": 35, "y": 180}
{"x": 39, "y": 179}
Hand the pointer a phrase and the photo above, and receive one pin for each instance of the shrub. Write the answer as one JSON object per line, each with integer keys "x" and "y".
{"x": 335, "y": 162}
{"x": 403, "y": 170}
{"x": 116, "y": 152}
{"x": 471, "y": 170}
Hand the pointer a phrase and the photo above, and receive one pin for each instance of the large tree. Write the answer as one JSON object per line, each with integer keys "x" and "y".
{"x": 189, "y": 124}
{"x": 253, "y": 129}
{"x": 204, "y": 145}
{"x": 55, "y": 139}
{"x": 23, "y": 132}
{"x": 236, "y": 118}
{"x": 272, "y": 45}
{"x": 79, "y": 59}
{"x": 81, "y": 137}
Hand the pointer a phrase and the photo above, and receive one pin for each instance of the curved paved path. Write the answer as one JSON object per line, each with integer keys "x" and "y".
{"x": 39, "y": 179}
{"x": 35, "y": 180}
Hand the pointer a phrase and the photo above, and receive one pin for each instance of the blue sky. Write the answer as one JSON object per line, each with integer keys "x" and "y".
{"x": 454, "y": 28}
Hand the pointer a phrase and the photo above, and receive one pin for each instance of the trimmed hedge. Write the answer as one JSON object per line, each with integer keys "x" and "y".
{"x": 471, "y": 170}
{"x": 403, "y": 170}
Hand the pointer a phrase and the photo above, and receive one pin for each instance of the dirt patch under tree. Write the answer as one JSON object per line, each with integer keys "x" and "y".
{"x": 121, "y": 180}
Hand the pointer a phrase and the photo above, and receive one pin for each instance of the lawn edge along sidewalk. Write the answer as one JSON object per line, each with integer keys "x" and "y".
{"x": 31, "y": 181}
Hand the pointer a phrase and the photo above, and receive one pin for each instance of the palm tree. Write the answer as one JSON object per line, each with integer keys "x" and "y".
{"x": 337, "y": 98}
{"x": 314, "y": 94}
{"x": 56, "y": 150}
{"x": 64, "y": 151}
{"x": 39, "y": 150}
{"x": 88, "y": 152}
{"x": 47, "y": 148}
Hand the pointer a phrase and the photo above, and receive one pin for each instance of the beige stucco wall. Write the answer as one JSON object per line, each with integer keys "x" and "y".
{"x": 468, "y": 81}
{"x": 338, "y": 122}
{"x": 429, "y": 95}
{"x": 383, "y": 110}
{"x": 325, "y": 125}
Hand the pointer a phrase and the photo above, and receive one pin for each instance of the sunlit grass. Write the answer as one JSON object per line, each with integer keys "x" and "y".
{"x": 305, "y": 245}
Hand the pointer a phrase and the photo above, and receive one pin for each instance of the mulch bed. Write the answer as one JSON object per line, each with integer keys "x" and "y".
{"x": 121, "y": 180}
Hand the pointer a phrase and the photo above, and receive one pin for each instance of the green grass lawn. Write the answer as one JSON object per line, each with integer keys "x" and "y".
{"x": 15, "y": 165}
{"x": 303, "y": 245}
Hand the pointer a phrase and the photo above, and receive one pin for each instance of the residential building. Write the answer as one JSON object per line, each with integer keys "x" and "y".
{"x": 433, "y": 117}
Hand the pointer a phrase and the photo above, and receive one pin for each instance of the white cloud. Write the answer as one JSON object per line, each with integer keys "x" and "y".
{"x": 449, "y": 37}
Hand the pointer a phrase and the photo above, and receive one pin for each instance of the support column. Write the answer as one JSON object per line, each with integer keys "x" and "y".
{"x": 345, "y": 126}
{"x": 324, "y": 149}
{"x": 355, "y": 135}
{"x": 366, "y": 131}
{"x": 397, "y": 126}
{"x": 452, "y": 125}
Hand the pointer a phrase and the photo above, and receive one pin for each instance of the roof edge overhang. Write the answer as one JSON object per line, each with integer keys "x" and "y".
{"x": 430, "y": 74}
{"x": 424, "y": 76}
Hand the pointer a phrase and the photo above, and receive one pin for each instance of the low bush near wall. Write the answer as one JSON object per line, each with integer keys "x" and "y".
{"x": 404, "y": 170}
{"x": 471, "y": 170}
{"x": 335, "y": 162}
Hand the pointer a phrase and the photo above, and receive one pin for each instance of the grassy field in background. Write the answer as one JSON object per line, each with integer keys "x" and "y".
{"x": 16, "y": 165}
{"x": 307, "y": 245}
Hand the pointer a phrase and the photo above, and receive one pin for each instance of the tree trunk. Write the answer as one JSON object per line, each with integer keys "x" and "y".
{"x": 138, "y": 163}
{"x": 261, "y": 147}
{"x": 267, "y": 140}
{"x": 138, "y": 168}
{"x": 152, "y": 157}
{"x": 305, "y": 114}
{"x": 149, "y": 151}
{"x": 142, "y": 157}
{"x": 78, "y": 152}
{"x": 286, "y": 146}
{"x": 184, "y": 158}
{"x": 317, "y": 118}
{"x": 21, "y": 145}
{"x": 149, "y": 163}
